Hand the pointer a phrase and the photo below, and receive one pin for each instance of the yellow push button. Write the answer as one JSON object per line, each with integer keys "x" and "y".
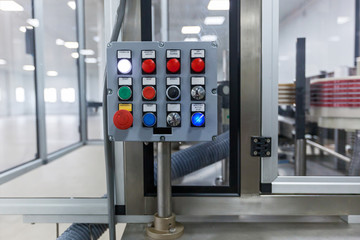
{"x": 127, "y": 107}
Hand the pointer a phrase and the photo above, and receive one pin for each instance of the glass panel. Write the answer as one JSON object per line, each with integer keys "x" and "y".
{"x": 94, "y": 66}
{"x": 61, "y": 48}
{"x": 184, "y": 20}
{"x": 17, "y": 88}
{"x": 332, "y": 99}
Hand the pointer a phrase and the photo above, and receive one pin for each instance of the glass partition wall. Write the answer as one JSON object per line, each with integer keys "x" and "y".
{"x": 39, "y": 83}
{"x": 331, "y": 84}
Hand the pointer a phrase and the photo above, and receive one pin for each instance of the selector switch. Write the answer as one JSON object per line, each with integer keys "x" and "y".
{"x": 125, "y": 93}
{"x": 173, "y": 93}
{"x": 123, "y": 119}
{"x": 149, "y": 93}
{"x": 173, "y": 119}
{"x": 198, "y": 93}
{"x": 198, "y": 119}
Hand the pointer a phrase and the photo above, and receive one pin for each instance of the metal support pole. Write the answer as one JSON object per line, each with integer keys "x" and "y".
{"x": 300, "y": 148}
{"x": 80, "y": 21}
{"x": 340, "y": 144}
{"x": 164, "y": 180}
{"x": 165, "y": 225}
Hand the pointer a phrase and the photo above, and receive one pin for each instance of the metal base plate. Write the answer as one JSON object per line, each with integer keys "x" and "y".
{"x": 244, "y": 231}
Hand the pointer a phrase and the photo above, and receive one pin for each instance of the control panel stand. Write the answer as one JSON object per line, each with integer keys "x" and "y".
{"x": 164, "y": 225}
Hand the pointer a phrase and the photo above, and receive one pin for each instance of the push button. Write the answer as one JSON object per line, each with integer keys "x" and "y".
{"x": 173, "y": 65}
{"x": 149, "y": 119}
{"x": 173, "y": 119}
{"x": 148, "y": 66}
{"x": 198, "y": 93}
{"x": 123, "y": 119}
{"x": 149, "y": 93}
{"x": 173, "y": 93}
{"x": 198, "y": 65}
{"x": 124, "y": 93}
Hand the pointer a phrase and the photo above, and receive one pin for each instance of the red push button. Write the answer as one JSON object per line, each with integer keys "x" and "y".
{"x": 149, "y": 93}
{"x": 123, "y": 119}
{"x": 173, "y": 65}
{"x": 198, "y": 65}
{"x": 148, "y": 66}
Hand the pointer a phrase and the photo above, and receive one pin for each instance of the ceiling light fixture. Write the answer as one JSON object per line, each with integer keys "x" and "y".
{"x": 2, "y": 61}
{"x": 218, "y": 5}
{"x": 72, "y": 4}
{"x": 33, "y": 22}
{"x": 190, "y": 29}
{"x": 10, "y": 6}
{"x": 75, "y": 55}
{"x": 90, "y": 60}
{"x": 52, "y": 73}
{"x": 87, "y": 52}
{"x": 343, "y": 20}
{"x": 215, "y": 20}
{"x": 59, "y": 42}
{"x": 71, "y": 45}
{"x": 28, "y": 67}
{"x": 208, "y": 38}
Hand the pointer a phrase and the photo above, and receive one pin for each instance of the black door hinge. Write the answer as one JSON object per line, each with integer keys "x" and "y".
{"x": 261, "y": 146}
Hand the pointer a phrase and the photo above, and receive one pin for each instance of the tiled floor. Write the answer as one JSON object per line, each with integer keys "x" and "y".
{"x": 79, "y": 174}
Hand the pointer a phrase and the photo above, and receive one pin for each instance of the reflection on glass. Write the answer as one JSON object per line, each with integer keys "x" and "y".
{"x": 204, "y": 21}
{"x": 62, "y": 117}
{"x": 17, "y": 89}
{"x": 329, "y": 30}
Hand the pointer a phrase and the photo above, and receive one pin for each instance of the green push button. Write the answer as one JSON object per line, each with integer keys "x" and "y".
{"x": 125, "y": 93}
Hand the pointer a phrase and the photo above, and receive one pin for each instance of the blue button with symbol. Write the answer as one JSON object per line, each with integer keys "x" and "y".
{"x": 198, "y": 119}
{"x": 149, "y": 119}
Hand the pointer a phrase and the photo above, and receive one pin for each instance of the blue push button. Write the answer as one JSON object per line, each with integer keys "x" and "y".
{"x": 149, "y": 119}
{"x": 198, "y": 119}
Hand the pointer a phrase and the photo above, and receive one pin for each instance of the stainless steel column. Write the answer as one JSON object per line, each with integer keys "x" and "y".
{"x": 164, "y": 180}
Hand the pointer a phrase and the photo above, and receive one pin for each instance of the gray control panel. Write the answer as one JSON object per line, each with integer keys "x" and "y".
{"x": 162, "y": 91}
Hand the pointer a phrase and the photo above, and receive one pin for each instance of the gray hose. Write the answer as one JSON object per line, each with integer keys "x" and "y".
{"x": 83, "y": 231}
{"x": 198, "y": 156}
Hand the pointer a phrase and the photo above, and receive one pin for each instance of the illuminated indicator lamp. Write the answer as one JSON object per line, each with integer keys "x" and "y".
{"x": 198, "y": 119}
{"x": 173, "y": 65}
{"x": 124, "y": 93}
{"x": 149, "y": 119}
{"x": 149, "y": 93}
{"x": 198, "y": 65}
{"x": 124, "y": 66}
{"x": 148, "y": 66}
{"x": 123, "y": 119}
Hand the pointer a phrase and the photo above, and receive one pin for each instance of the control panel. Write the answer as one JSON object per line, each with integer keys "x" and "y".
{"x": 162, "y": 91}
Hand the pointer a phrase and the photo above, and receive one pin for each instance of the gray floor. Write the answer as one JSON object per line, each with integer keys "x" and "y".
{"x": 257, "y": 231}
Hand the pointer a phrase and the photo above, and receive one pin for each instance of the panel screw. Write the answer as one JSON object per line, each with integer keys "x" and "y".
{"x": 214, "y": 138}
{"x": 111, "y": 138}
{"x": 255, "y": 140}
{"x": 255, "y": 152}
{"x": 161, "y": 44}
{"x": 268, "y": 153}
{"x": 146, "y": 143}
{"x": 110, "y": 91}
{"x": 109, "y": 44}
{"x": 214, "y": 44}
{"x": 268, "y": 140}
{"x": 150, "y": 225}
{"x": 172, "y": 230}
{"x": 162, "y": 138}
{"x": 214, "y": 91}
